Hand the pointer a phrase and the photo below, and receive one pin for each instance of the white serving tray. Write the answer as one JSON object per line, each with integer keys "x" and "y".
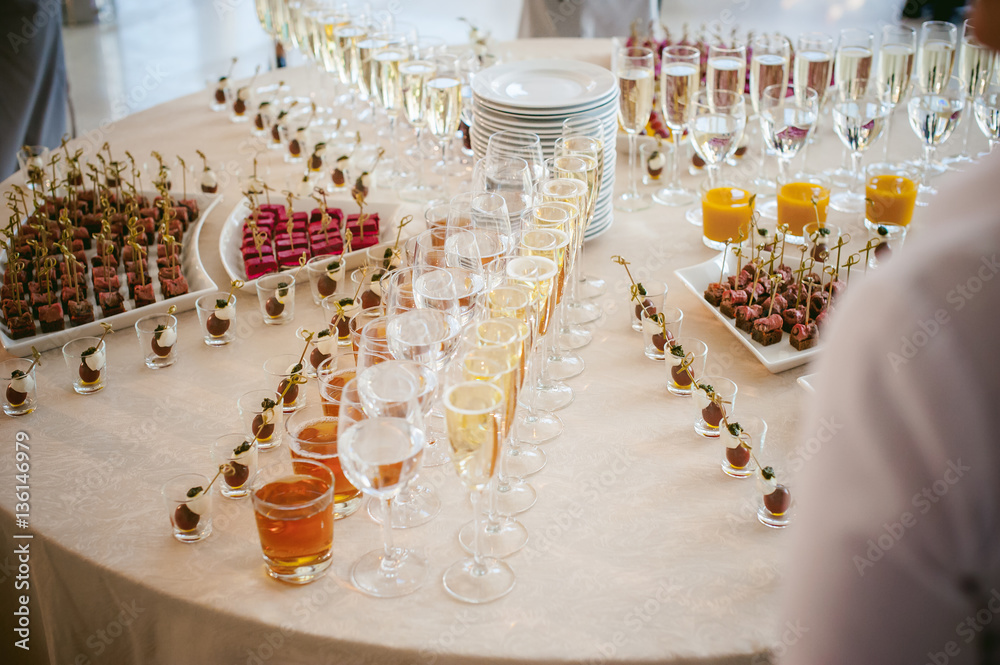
{"x": 199, "y": 284}
{"x": 776, "y": 357}
{"x": 232, "y": 234}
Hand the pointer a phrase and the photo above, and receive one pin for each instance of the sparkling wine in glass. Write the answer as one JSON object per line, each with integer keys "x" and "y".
{"x": 987, "y": 110}
{"x": 813, "y": 70}
{"x": 936, "y": 58}
{"x": 975, "y": 68}
{"x": 858, "y": 120}
{"x": 786, "y": 123}
{"x": 895, "y": 69}
{"x": 634, "y": 71}
{"x": 933, "y": 118}
{"x": 727, "y": 69}
{"x": 680, "y": 79}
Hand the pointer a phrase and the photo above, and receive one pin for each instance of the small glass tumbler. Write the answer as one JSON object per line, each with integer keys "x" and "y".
{"x": 280, "y": 371}
{"x": 239, "y": 101}
{"x": 322, "y": 347}
{"x": 775, "y": 501}
{"x": 712, "y": 411}
{"x": 276, "y": 294}
{"x": 340, "y": 308}
{"x": 20, "y": 397}
{"x": 217, "y": 314}
{"x": 685, "y": 358}
{"x": 890, "y": 239}
{"x": 157, "y": 335}
{"x": 312, "y": 435}
{"x": 333, "y": 376}
{"x": 821, "y": 238}
{"x": 293, "y": 508}
{"x": 325, "y": 274}
{"x": 239, "y": 453}
{"x": 659, "y": 330}
{"x": 87, "y": 361}
{"x": 649, "y": 302}
{"x": 261, "y": 418}
{"x": 189, "y": 506}
{"x": 654, "y": 156}
{"x": 744, "y": 436}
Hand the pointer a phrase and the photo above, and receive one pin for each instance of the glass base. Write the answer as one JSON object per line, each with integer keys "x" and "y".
{"x": 500, "y": 539}
{"x": 538, "y": 428}
{"x": 159, "y": 363}
{"x": 693, "y": 215}
{"x": 436, "y": 453}
{"x": 629, "y": 202}
{"x": 703, "y": 428}
{"x": 674, "y": 389}
{"x": 298, "y": 574}
{"x": 518, "y": 496}
{"x": 712, "y": 244}
{"x": 479, "y": 583}
{"x": 22, "y": 409}
{"x": 734, "y": 472}
{"x": 574, "y": 337}
{"x": 420, "y": 505}
{"x": 765, "y": 185}
{"x": 566, "y": 366}
{"x": 848, "y": 202}
{"x": 553, "y": 397}
{"x": 347, "y": 508}
{"x": 194, "y": 535}
{"x": 924, "y": 195}
{"x": 840, "y": 177}
{"x": 767, "y": 518}
{"x": 401, "y": 577}
{"x": 88, "y": 388}
{"x": 525, "y": 461}
{"x": 578, "y": 313}
{"x": 768, "y": 208}
{"x": 591, "y": 287}
{"x": 421, "y": 193}
{"x": 669, "y": 196}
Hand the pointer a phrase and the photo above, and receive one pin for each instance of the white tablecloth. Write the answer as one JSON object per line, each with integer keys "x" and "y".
{"x": 640, "y": 549}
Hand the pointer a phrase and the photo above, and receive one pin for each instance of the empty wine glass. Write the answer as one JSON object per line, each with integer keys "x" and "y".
{"x": 716, "y": 131}
{"x": 634, "y": 71}
{"x": 510, "y": 177}
{"x": 380, "y": 455}
{"x": 786, "y": 122}
{"x": 514, "y": 143}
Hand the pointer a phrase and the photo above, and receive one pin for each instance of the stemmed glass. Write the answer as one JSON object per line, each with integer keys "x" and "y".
{"x": 389, "y": 91}
{"x": 933, "y": 118}
{"x": 786, "y": 123}
{"x": 853, "y": 62}
{"x": 415, "y": 504}
{"x": 510, "y": 177}
{"x": 680, "y": 78}
{"x": 379, "y": 455}
{"x": 768, "y": 66}
{"x": 726, "y": 68}
{"x": 859, "y": 115}
{"x": 935, "y": 64}
{"x": 987, "y": 109}
{"x": 414, "y": 75}
{"x": 473, "y": 411}
{"x": 975, "y": 69}
{"x": 813, "y": 65}
{"x": 716, "y": 131}
{"x": 444, "y": 108}
{"x": 634, "y": 70}
{"x": 590, "y": 286}
{"x": 513, "y": 143}
{"x": 895, "y": 69}
{"x": 537, "y": 273}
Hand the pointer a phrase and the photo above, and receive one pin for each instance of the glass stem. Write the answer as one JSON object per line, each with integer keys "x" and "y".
{"x": 394, "y": 143}
{"x": 967, "y": 114}
{"x": 888, "y": 133}
{"x": 633, "y": 189}
{"x": 713, "y": 175}
{"x": 855, "y": 173}
{"x": 782, "y": 172}
{"x": 925, "y": 172}
{"x": 675, "y": 169}
{"x": 389, "y": 560}
{"x": 477, "y": 548}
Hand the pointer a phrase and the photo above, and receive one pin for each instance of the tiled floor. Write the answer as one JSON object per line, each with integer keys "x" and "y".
{"x": 157, "y": 50}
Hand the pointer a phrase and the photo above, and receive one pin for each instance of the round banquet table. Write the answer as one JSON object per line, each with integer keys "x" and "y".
{"x": 640, "y": 549}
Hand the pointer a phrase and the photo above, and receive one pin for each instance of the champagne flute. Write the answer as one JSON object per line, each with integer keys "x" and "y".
{"x": 933, "y": 118}
{"x": 680, "y": 78}
{"x": 590, "y": 286}
{"x": 987, "y": 109}
{"x": 937, "y": 55}
{"x": 635, "y": 104}
{"x": 859, "y": 116}
{"x": 975, "y": 69}
{"x": 813, "y": 69}
{"x": 444, "y": 108}
{"x": 537, "y": 274}
{"x": 413, "y": 76}
{"x": 380, "y": 455}
{"x": 389, "y": 92}
{"x": 768, "y": 66}
{"x": 473, "y": 411}
{"x": 895, "y": 69}
{"x": 852, "y": 63}
{"x": 727, "y": 69}
{"x": 715, "y": 131}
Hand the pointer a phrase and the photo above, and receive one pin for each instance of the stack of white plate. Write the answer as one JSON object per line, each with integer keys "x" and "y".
{"x": 537, "y": 96}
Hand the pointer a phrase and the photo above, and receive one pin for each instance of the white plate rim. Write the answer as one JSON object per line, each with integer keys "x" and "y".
{"x": 603, "y": 80}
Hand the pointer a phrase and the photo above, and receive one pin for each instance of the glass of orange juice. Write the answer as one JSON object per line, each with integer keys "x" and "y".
{"x": 726, "y": 210}
{"x": 890, "y": 194}
{"x": 795, "y": 204}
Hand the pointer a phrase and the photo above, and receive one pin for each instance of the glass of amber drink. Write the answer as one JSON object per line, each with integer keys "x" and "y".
{"x": 293, "y": 506}
{"x": 890, "y": 194}
{"x": 333, "y": 376}
{"x": 313, "y": 437}
{"x": 726, "y": 211}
